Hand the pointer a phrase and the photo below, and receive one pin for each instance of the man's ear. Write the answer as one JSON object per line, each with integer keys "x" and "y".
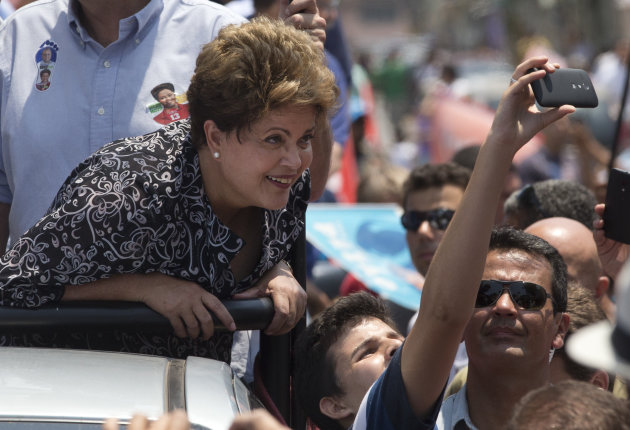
{"x": 563, "y": 327}
{"x": 602, "y": 286}
{"x": 334, "y": 408}
{"x": 600, "y": 379}
{"x": 214, "y": 136}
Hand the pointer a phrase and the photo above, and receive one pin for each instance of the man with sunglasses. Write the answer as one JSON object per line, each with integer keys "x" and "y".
{"x": 518, "y": 321}
{"x": 431, "y": 194}
{"x": 359, "y": 372}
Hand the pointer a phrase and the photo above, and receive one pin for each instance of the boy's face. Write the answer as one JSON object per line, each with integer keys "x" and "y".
{"x": 360, "y": 356}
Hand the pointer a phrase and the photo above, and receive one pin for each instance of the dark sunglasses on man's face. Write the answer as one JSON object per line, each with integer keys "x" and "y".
{"x": 438, "y": 219}
{"x": 526, "y": 295}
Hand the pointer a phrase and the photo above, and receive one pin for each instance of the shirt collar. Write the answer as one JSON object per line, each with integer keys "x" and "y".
{"x": 134, "y": 24}
{"x": 461, "y": 417}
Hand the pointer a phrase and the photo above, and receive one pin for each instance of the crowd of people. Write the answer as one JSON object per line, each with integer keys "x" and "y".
{"x": 178, "y": 170}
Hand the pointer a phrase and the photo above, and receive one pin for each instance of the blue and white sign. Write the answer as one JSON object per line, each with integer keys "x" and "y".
{"x": 368, "y": 241}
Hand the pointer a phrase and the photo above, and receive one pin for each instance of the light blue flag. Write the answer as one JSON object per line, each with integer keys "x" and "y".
{"x": 368, "y": 241}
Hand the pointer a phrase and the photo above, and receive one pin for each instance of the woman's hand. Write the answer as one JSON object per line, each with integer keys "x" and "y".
{"x": 289, "y": 298}
{"x": 187, "y": 306}
{"x": 612, "y": 254}
{"x": 518, "y": 119}
{"x": 304, "y": 15}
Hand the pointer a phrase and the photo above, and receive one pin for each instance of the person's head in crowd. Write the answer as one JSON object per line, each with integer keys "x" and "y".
{"x": 431, "y": 194}
{"x": 518, "y": 320}
{"x": 583, "y": 310}
{"x": 550, "y": 198}
{"x": 381, "y": 182}
{"x": 603, "y": 345}
{"x": 467, "y": 156}
{"x": 515, "y": 256}
{"x": 324, "y": 374}
{"x": 570, "y": 405}
{"x": 230, "y": 91}
{"x": 576, "y": 245}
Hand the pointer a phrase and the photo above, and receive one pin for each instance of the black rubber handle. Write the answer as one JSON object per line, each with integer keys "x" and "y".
{"x": 252, "y": 314}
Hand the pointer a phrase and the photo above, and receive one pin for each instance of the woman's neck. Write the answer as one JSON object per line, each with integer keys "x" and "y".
{"x": 221, "y": 199}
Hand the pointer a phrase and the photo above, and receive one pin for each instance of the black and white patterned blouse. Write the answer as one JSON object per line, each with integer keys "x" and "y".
{"x": 138, "y": 206}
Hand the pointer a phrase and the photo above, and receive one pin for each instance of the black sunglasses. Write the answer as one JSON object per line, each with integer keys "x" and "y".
{"x": 526, "y": 295}
{"x": 438, "y": 219}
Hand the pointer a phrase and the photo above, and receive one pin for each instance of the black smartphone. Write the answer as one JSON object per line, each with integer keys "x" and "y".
{"x": 617, "y": 212}
{"x": 565, "y": 87}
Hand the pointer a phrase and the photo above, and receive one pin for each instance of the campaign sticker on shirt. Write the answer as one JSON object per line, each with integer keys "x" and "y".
{"x": 45, "y": 60}
{"x": 169, "y": 105}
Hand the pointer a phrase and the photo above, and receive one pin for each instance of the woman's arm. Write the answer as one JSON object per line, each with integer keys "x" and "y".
{"x": 187, "y": 306}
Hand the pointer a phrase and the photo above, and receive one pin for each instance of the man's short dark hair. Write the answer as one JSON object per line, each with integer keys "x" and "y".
{"x": 165, "y": 86}
{"x": 315, "y": 376}
{"x": 508, "y": 238}
{"x": 435, "y": 175}
{"x": 552, "y": 198}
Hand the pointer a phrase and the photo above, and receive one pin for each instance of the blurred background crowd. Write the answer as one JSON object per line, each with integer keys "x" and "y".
{"x": 425, "y": 77}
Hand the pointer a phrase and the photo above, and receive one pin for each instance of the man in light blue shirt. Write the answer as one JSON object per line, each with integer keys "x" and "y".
{"x": 107, "y": 55}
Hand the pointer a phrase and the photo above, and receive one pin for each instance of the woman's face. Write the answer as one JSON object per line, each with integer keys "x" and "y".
{"x": 271, "y": 155}
{"x": 167, "y": 98}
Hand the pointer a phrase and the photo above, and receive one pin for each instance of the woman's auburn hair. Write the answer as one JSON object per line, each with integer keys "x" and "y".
{"x": 253, "y": 68}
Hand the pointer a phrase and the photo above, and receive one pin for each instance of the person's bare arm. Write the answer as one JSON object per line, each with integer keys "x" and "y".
{"x": 453, "y": 278}
{"x": 186, "y": 305}
{"x": 5, "y": 208}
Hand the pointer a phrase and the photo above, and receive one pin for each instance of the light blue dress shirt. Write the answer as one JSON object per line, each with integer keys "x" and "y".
{"x": 94, "y": 94}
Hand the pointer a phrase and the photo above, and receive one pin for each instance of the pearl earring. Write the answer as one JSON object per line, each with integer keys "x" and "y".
{"x": 216, "y": 154}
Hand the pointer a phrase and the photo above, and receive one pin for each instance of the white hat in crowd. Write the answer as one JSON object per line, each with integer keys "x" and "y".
{"x": 603, "y": 345}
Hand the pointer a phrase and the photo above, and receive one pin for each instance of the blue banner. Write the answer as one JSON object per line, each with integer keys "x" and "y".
{"x": 368, "y": 241}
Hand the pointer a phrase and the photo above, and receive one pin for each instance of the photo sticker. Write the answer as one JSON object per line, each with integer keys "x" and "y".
{"x": 169, "y": 106}
{"x": 45, "y": 60}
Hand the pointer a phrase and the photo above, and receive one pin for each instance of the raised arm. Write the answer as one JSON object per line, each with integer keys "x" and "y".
{"x": 453, "y": 278}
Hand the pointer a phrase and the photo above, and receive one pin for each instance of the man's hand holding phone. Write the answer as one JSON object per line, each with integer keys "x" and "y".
{"x": 565, "y": 87}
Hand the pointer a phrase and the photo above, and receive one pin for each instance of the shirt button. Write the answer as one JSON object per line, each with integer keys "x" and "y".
{"x": 101, "y": 111}
{"x": 107, "y": 64}
{"x": 137, "y": 41}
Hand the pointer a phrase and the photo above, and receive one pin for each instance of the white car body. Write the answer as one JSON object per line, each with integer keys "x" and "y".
{"x": 50, "y": 386}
